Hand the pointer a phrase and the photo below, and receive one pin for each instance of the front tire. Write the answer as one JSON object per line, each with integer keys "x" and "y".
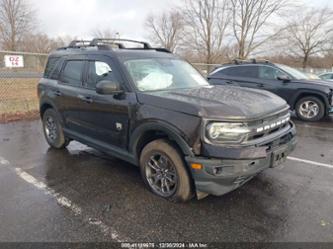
{"x": 164, "y": 171}
{"x": 53, "y": 130}
{"x": 310, "y": 109}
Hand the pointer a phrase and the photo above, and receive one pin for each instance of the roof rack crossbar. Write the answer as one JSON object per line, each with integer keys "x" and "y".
{"x": 98, "y": 41}
{"x": 254, "y": 61}
{"x": 79, "y": 43}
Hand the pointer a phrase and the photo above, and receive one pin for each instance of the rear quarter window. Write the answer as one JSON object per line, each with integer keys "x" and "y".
{"x": 52, "y": 68}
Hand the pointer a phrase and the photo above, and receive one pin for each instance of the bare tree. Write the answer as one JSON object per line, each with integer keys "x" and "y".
{"x": 249, "y": 18}
{"x": 105, "y": 33}
{"x": 207, "y": 22}
{"x": 16, "y": 20}
{"x": 166, "y": 29}
{"x": 310, "y": 32}
{"x": 40, "y": 43}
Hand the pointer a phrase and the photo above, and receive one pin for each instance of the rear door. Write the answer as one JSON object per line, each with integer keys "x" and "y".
{"x": 70, "y": 84}
{"x": 105, "y": 118}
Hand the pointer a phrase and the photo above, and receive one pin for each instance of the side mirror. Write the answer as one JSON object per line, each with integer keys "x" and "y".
{"x": 107, "y": 87}
{"x": 284, "y": 78}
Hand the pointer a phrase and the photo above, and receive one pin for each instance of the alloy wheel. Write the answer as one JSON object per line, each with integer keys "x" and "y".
{"x": 161, "y": 175}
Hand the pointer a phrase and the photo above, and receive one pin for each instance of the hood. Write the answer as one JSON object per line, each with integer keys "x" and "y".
{"x": 217, "y": 102}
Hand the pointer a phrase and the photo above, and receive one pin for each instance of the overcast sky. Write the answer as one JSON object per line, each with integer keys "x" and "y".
{"x": 81, "y": 17}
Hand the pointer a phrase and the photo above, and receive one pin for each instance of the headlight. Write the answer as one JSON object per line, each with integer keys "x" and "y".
{"x": 218, "y": 132}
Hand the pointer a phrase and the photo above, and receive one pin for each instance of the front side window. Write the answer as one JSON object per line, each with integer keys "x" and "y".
{"x": 163, "y": 73}
{"x": 97, "y": 72}
{"x": 296, "y": 74}
{"x": 241, "y": 71}
{"x": 72, "y": 73}
{"x": 270, "y": 73}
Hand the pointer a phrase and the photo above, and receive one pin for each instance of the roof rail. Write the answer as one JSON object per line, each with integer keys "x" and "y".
{"x": 253, "y": 61}
{"x": 109, "y": 44}
{"x": 103, "y": 41}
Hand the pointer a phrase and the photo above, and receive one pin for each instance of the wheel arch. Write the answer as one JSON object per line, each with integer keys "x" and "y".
{"x": 44, "y": 107}
{"x": 304, "y": 94}
{"x": 148, "y": 132}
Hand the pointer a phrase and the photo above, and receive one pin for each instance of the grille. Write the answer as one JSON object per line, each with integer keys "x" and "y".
{"x": 269, "y": 126}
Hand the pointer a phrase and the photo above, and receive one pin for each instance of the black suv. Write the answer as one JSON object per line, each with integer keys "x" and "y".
{"x": 152, "y": 109}
{"x": 311, "y": 99}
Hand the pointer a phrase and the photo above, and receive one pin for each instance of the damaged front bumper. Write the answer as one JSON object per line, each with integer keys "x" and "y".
{"x": 219, "y": 176}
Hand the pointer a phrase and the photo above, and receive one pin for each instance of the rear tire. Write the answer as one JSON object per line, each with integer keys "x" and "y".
{"x": 310, "y": 109}
{"x": 53, "y": 130}
{"x": 164, "y": 171}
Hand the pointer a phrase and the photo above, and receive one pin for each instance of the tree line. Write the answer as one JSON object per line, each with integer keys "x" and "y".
{"x": 216, "y": 31}
{"x": 206, "y": 31}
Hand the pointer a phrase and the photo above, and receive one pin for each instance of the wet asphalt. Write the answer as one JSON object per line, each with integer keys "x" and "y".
{"x": 293, "y": 202}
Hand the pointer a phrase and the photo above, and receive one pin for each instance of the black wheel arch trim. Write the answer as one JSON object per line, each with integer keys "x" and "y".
{"x": 308, "y": 93}
{"x": 172, "y": 132}
{"x": 53, "y": 106}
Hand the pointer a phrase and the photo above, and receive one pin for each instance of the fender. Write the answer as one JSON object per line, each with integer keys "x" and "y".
{"x": 308, "y": 92}
{"x": 172, "y": 132}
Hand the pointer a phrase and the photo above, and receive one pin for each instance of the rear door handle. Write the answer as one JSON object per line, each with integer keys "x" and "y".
{"x": 86, "y": 99}
{"x": 57, "y": 93}
{"x": 260, "y": 85}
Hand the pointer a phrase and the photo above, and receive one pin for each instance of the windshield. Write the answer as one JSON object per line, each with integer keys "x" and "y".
{"x": 298, "y": 75}
{"x": 163, "y": 73}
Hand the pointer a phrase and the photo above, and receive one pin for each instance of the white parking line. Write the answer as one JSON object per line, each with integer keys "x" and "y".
{"x": 310, "y": 162}
{"x": 66, "y": 203}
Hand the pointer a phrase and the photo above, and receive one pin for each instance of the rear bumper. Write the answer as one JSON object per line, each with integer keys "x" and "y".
{"x": 220, "y": 176}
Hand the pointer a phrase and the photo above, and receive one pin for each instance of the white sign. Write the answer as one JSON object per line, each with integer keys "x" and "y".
{"x": 14, "y": 61}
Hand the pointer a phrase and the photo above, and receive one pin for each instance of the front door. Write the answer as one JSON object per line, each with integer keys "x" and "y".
{"x": 269, "y": 79}
{"x": 105, "y": 117}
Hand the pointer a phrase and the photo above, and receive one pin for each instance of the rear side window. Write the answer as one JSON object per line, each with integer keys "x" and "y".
{"x": 51, "y": 66}
{"x": 72, "y": 73}
{"x": 97, "y": 72}
{"x": 240, "y": 71}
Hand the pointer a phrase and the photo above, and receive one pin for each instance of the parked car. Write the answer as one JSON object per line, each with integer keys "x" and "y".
{"x": 154, "y": 110}
{"x": 311, "y": 99}
{"x": 326, "y": 76}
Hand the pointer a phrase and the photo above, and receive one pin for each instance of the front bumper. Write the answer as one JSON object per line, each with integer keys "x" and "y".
{"x": 219, "y": 176}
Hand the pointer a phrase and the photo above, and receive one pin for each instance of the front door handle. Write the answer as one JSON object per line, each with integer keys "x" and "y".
{"x": 86, "y": 99}
{"x": 261, "y": 85}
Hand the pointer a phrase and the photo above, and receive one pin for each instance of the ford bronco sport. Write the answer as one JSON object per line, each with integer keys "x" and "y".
{"x": 148, "y": 107}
